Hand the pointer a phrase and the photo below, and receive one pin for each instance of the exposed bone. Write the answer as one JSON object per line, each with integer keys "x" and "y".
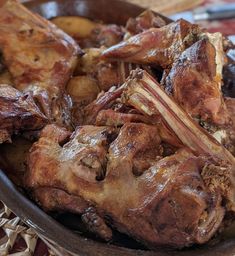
{"x": 145, "y": 94}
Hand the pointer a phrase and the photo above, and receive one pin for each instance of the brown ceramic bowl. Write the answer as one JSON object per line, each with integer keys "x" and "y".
{"x": 109, "y": 11}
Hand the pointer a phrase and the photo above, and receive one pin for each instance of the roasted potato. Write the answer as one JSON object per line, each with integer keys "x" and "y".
{"x": 77, "y": 27}
{"x": 83, "y": 89}
{"x": 88, "y": 62}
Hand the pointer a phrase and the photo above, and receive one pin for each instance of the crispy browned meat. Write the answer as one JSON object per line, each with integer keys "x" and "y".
{"x": 102, "y": 35}
{"x": 147, "y": 168}
{"x": 103, "y": 101}
{"x": 158, "y": 202}
{"x": 112, "y": 74}
{"x": 107, "y": 74}
{"x": 142, "y": 88}
{"x": 196, "y": 84}
{"x": 155, "y": 46}
{"x": 110, "y": 117}
{"x": 57, "y": 200}
{"x": 18, "y": 112}
{"x": 144, "y": 21}
{"x": 39, "y": 56}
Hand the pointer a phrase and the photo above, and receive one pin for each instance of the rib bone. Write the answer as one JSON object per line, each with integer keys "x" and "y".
{"x": 145, "y": 94}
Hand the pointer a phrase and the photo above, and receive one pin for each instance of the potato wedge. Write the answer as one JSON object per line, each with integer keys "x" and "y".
{"x": 83, "y": 89}
{"x": 77, "y": 27}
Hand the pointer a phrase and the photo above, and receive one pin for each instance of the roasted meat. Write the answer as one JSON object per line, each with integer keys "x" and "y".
{"x": 144, "y": 21}
{"x": 142, "y": 88}
{"x": 110, "y": 117}
{"x": 145, "y": 158}
{"x": 145, "y": 93}
{"x": 173, "y": 201}
{"x": 102, "y": 102}
{"x": 193, "y": 76}
{"x": 157, "y": 201}
{"x": 228, "y": 138}
{"x": 107, "y": 74}
{"x": 155, "y": 46}
{"x": 195, "y": 82}
{"x": 18, "y": 112}
{"x": 39, "y": 56}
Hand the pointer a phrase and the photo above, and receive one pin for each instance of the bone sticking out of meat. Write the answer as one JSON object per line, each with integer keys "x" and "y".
{"x": 145, "y": 94}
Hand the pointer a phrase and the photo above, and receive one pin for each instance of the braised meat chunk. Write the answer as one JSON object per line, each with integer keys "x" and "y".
{"x": 155, "y": 46}
{"x": 158, "y": 201}
{"x": 18, "y": 112}
{"x": 142, "y": 88}
{"x": 144, "y": 21}
{"x": 39, "y": 56}
{"x": 195, "y": 82}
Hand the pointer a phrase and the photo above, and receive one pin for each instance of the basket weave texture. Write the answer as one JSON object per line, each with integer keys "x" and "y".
{"x": 15, "y": 238}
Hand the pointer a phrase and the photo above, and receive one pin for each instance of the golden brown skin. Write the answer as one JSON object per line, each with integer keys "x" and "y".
{"x": 107, "y": 74}
{"x": 144, "y": 21}
{"x": 103, "y": 101}
{"x": 111, "y": 176}
{"x": 155, "y": 46}
{"x": 39, "y": 56}
{"x": 145, "y": 94}
{"x": 18, "y": 112}
{"x": 158, "y": 202}
{"x": 110, "y": 117}
{"x": 196, "y": 85}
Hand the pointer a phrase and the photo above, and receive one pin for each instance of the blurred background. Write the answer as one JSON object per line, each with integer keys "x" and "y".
{"x": 184, "y": 7}
{"x": 187, "y": 9}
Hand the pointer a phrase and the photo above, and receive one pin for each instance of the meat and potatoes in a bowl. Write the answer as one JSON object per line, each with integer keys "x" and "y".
{"x": 125, "y": 126}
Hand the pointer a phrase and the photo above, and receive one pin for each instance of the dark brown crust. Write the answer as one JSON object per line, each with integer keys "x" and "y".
{"x": 156, "y": 46}
{"x": 163, "y": 204}
{"x": 194, "y": 83}
{"x": 39, "y": 56}
{"x": 18, "y": 112}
